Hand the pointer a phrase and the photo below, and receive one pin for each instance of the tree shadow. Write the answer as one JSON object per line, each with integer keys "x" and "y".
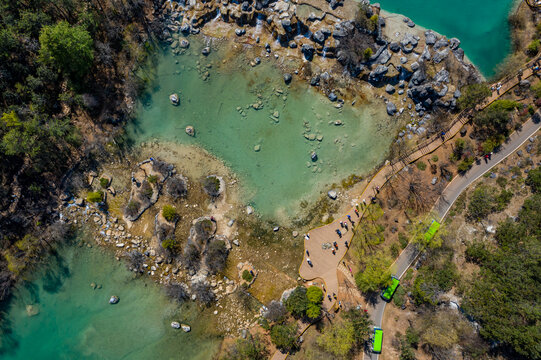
{"x": 55, "y": 274}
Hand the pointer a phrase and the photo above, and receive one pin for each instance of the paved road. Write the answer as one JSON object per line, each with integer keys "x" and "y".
{"x": 449, "y": 196}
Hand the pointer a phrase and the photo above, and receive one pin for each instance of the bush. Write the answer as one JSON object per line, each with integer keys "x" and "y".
{"x": 104, "y": 183}
{"x": 501, "y": 181}
{"x": 434, "y": 158}
{"x": 284, "y": 336}
{"x": 176, "y": 187}
{"x": 211, "y": 184}
{"x": 473, "y": 95}
{"x": 367, "y": 53}
{"x": 153, "y": 179}
{"x": 297, "y": 302}
{"x": 420, "y": 165}
{"x": 275, "y": 311}
{"x": 481, "y": 203}
{"x": 132, "y": 208}
{"x": 533, "y": 47}
{"x": 95, "y": 196}
{"x": 476, "y": 252}
{"x": 503, "y": 199}
{"x": 216, "y": 256}
{"x": 247, "y": 276}
{"x": 403, "y": 239}
{"x": 314, "y": 295}
{"x": 146, "y": 189}
{"x": 465, "y": 164}
{"x": 536, "y": 88}
{"x": 534, "y": 180}
{"x": 169, "y": 213}
{"x": 399, "y": 296}
{"x": 252, "y": 348}
{"x": 191, "y": 257}
{"x": 170, "y": 244}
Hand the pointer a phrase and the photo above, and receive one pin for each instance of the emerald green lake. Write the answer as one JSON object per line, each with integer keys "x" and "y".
{"x": 77, "y": 322}
{"x": 481, "y": 25}
{"x": 277, "y": 177}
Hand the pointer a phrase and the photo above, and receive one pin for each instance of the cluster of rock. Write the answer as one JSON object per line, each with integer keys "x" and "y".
{"x": 311, "y": 34}
{"x": 405, "y": 70}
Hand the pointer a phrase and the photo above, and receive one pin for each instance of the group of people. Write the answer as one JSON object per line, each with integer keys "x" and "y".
{"x": 497, "y": 87}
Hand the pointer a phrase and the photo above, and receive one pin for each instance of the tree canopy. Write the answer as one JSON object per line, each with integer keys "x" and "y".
{"x": 67, "y": 48}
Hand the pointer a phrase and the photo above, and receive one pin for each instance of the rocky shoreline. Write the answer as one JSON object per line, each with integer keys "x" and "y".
{"x": 414, "y": 72}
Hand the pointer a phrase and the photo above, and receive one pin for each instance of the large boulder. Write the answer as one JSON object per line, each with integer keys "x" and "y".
{"x": 308, "y": 51}
{"x": 318, "y": 37}
{"x": 377, "y": 74}
{"x": 440, "y": 44}
{"x": 391, "y": 108}
{"x": 454, "y": 43}
{"x": 430, "y": 37}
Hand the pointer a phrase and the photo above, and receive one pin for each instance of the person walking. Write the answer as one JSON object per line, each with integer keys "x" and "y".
{"x": 333, "y": 252}
{"x": 341, "y": 224}
{"x": 357, "y": 212}
{"x": 307, "y": 253}
{"x": 306, "y": 236}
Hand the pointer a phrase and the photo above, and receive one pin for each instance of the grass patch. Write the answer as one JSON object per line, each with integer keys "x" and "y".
{"x": 421, "y": 165}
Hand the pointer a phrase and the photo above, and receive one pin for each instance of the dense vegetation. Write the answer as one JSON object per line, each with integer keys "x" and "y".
{"x": 504, "y": 297}
{"x": 66, "y": 68}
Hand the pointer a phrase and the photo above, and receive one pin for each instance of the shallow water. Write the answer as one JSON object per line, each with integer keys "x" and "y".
{"x": 481, "y": 25}
{"x": 281, "y": 174}
{"x": 77, "y": 322}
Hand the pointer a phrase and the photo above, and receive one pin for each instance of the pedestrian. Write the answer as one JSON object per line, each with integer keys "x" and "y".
{"x": 308, "y": 259}
{"x": 307, "y": 237}
{"x": 349, "y": 217}
{"x": 340, "y": 304}
{"x": 341, "y": 224}
{"x": 357, "y": 212}
{"x": 377, "y": 189}
{"x": 335, "y": 244}
{"x": 329, "y": 296}
{"x": 347, "y": 246}
{"x": 364, "y": 202}
{"x": 343, "y": 262}
{"x": 346, "y": 226}
{"x": 324, "y": 289}
{"x": 333, "y": 252}
{"x": 307, "y": 253}
{"x": 310, "y": 263}
{"x": 334, "y": 295}
{"x": 252, "y": 272}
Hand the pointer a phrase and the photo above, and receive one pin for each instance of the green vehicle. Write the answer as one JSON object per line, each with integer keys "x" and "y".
{"x": 378, "y": 340}
{"x": 429, "y": 234}
{"x": 388, "y": 293}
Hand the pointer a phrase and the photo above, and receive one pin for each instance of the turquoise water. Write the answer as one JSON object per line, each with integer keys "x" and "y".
{"x": 481, "y": 25}
{"x": 77, "y": 322}
{"x": 281, "y": 174}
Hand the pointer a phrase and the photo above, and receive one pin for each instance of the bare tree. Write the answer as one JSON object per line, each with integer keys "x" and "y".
{"x": 203, "y": 292}
{"x": 275, "y": 311}
{"x": 179, "y": 292}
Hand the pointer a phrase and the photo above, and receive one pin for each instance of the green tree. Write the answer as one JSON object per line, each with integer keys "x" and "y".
{"x": 367, "y": 53}
{"x": 534, "y": 179}
{"x": 68, "y": 48}
{"x": 314, "y": 294}
{"x": 481, "y": 203}
{"x": 473, "y": 94}
{"x": 169, "y": 213}
{"x": 338, "y": 339}
{"x": 493, "y": 120}
{"x": 313, "y": 311}
{"x": 533, "y": 47}
{"x": 95, "y": 196}
{"x": 284, "y": 336}
{"x": 252, "y": 348}
{"x": 361, "y": 325}
{"x": 297, "y": 303}
{"x": 376, "y": 273}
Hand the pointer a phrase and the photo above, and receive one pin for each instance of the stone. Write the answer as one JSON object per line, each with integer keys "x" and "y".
{"x": 457, "y": 94}
{"x": 236, "y": 242}
{"x": 440, "y": 44}
{"x": 377, "y": 74}
{"x": 190, "y": 130}
{"x": 524, "y": 83}
{"x": 120, "y": 245}
{"x": 249, "y": 210}
{"x": 454, "y": 43}
{"x": 230, "y": 222}
{"x": 403, "y": 59}
{"x": 184, "y": 44}
{"x": 332, "y": 194}
{"x": 415, "y": 66}
{"x": 308, "y": 51}
{"x": 32, "y": 310}
{"x": 205, "y": 51}
{"x": 332, "y": 96}
{"x": 287, "y": 78}
{"x": 174, "y": 98}
{"x": 434, "y": 180}
{"x": 440, "y": 56}
{"x": 185, "y": 328}
{"x": 292, "y": 44}
{"x": 391, "y": 108}
{"x": 114, "y": 299}
{"x": 314, "y": 81}
{"x": 384, "y": 57}
{"x": 418, "y": 77}
{"x": 318, "y": 37}
{"x": 175, "y": 325}
{"x": 79, "y": 201}
{"x": 410, "y": 24}
{"x": 257, "y": 148}
{"x": 394, "y": 47}
{"x": 295, "y": 233}
{"x": 430, "y": 37}
{"x": 240, "y": 32}
{"x": 389, "y": 89}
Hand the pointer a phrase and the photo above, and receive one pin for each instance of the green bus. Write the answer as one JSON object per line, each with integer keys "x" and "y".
{"x": 378, "y": 340}
{"x": 429, "y": 234}
{"x": 388, "y": 293}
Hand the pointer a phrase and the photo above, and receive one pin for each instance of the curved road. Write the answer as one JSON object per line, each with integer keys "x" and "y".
{"x": 449, "y": 196}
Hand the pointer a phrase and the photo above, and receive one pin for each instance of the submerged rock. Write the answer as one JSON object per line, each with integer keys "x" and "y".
{"x": 114, "y": 299}
{"x": 205, "y": 51}
{"x": 332, "y": 194}
{"x": 190, "y": 130}
{"x": 175, "y": 100}
{"x": 175, "y": 325}
{"x": 391, "y": 108}
{"x": 287, "y": 78}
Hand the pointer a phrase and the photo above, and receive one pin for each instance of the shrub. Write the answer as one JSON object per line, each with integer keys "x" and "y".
{"x": 503, "y": 199}
{"x": 367, "y": 53}
{"x": 501, "y": 181}
{"x": 399, "y": 296}
{"x": 536, "y": 88}
{"x": 132, "y": 208}
{"x": 176, "y": 187}
{"x": 247, "y": 276}
{"x": 275, "y": 311}
{"x": 211, "y": 184}
{"x": 297, "y": 302}
{"x": 169, "y": 243}
{"x": 476, "y": 252}
{"x": 153, "y": 179}
{"x": 534, "y": 179}
{"x": 95, "y": 196}
{"x": 421, "y": 165}
{"x": 434, "y": 158}
{"x": 403, "y": 239}
{"x": 314, "y": 295}
{"x": 313, "y": 311}
{"x": 169, "y": 213}
{"x": 104, "y": 183}
{"x": 473, "y": 94}
{"x": 481, "y": 203}
{"x": 216, "y": 256}
{"x": 252, "y": 348}
{"x": 533, "y": 47}
{"x": 284, "y": 336}
{"x": 465, "y": 164}
{"x": 146, "y": 189}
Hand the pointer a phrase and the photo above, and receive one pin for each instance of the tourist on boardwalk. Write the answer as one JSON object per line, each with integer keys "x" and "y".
{"x": 357, "y": 212}
{"x": 334, "y": 295}
{"x": 349, "y": 217}
{"x": 347, "y": 246}
{"x": 307, "y": 253}
{"x": 329, "y": 296}
{"x": 341, "y": 224}
{"x": 346, "y": 226}
{"x": 309, "y": 262}
{"x": 333, "y": 252}
{"x": 306, "y": 236}
{"x": 339, "y": 232}
{"x": 335, "y": 244}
